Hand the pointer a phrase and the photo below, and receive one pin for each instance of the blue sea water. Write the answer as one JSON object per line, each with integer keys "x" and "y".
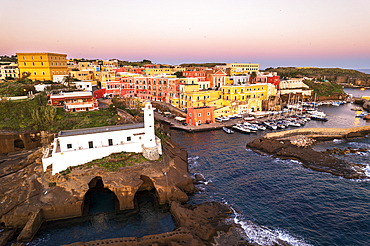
{"x": 367, "y": 71}
{"x": 280, "y": 199}
{"x": 272, "y": 198}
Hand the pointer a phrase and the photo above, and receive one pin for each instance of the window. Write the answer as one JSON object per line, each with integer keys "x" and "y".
{"x": 24, "y": 64}
{"x": 110, "y": 142}
{"x": 43, "y": 73}
{"x": 199, "y": 114}
{"x": 208, "y": 113}
{"x": 190, "y": 114}
{"x": 128, "y": 139}
{"x": 51, "y": 58}
{"x": 32, "y": 57}
{"x": 33, "y": 64}
{"x": 34, "y": 73}
{"x": 91, "y": 145}
{"x": 41, "y": 57}
{"x": 69, "y": 146}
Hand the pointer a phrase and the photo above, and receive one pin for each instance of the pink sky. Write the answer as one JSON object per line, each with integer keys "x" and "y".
{"x": 330, "y": 33}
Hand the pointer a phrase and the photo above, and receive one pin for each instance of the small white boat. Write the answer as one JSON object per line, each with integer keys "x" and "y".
{"x": 240, "y": 128}
{"x": 218, "y": 119}
{"x": 227, "y": 130}
{"x": 315, "y": 112}
{"x": 335, "y": 104}
{"x": 259, "y": 127}
{"x": 318, "y": 117}
{"x": 250, "y": 118}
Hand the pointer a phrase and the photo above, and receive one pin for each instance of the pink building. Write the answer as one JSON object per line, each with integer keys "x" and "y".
{"x": 216, "y": 78}
{"x": 147, "y": 88}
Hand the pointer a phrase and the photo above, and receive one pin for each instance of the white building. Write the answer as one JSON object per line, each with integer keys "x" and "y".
{"x": 84, "y": 85}
{"x": 240, "y": 79}
{"x": 76, "y": 147}
{"x": 294, "y": 86}
{"x": 9, "y": 71}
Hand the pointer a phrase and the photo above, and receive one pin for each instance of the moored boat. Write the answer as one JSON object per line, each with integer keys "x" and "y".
{"x": 227, "y": 130}
{"x": 241, "y": 128}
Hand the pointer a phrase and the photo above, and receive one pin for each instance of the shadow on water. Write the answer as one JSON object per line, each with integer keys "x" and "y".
{"x": 99, "y": 199}
{"x": 102, "y": 218}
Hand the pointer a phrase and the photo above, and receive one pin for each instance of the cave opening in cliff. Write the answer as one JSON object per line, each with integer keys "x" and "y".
{"x": 18, "y": 144}
{"x": 146, "y": 197}
{"x": 99, "y": 199}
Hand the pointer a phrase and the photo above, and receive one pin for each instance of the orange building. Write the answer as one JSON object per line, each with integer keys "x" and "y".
{"x": 200, "y": 115}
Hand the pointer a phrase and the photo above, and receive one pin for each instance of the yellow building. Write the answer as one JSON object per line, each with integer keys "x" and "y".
{"x": 158, "y": 71}
{"x": 191, "y": 96}
{"x": 251, "y": 95}
{"x": 82, "y": 75}
{"x": 241, "y": 68}
{"x": 42, "y": 66}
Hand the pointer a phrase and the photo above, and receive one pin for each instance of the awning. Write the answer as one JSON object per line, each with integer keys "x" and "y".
{"x": 180, "y": 118}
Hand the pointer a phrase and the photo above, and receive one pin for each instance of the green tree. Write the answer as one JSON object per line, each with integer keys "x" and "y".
{"x": 253, "y": 76}
{"x": 179, "y": 74}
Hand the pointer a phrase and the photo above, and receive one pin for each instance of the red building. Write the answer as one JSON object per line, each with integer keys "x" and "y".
{"x": 200, "y": 115}
{"x": 74, "y": 101}
{"x": 271, "y": 79}
{"x": 99, "y": 93}
{"x": 200, "y": 74}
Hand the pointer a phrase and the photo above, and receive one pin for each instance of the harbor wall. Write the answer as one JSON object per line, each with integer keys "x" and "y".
{"x": 323, "y": 133}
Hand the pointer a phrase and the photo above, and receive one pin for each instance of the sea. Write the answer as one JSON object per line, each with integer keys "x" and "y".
{"x": 272, "y": 199}
{"x": 367, "y": 71}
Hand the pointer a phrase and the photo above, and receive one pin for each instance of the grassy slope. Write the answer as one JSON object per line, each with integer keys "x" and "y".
{"x": 321, "y": 72}
{"x": 324, "y": 88}
{"x": 16, "y": 115}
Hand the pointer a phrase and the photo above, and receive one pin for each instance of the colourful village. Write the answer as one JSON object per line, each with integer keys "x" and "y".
{"x": 206, "y": 94}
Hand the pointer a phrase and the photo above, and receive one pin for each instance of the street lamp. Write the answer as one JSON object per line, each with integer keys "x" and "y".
{"x": 362, "y": 89}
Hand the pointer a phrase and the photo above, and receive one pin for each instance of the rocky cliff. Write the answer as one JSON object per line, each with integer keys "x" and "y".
{"x": 25, "y": 189}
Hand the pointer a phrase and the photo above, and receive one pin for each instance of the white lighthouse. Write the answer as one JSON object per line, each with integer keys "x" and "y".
{"x": 149, "y": 138}
{"x": 150, "y": 146}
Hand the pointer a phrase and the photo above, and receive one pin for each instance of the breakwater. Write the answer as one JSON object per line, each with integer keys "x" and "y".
{"x": 322, "y": 133}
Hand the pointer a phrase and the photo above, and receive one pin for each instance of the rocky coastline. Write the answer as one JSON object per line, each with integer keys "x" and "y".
{"x": 296, "y": 144}
{"x": 30, "y": 198}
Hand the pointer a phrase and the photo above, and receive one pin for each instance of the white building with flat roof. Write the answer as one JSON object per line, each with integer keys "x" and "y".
{"x": 76, "y": 147}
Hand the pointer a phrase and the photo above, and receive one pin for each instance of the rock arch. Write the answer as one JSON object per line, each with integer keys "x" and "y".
{"x": 98, "y": 198}
{"x": 18, "y": 144}
{"x": 146, "y": 190}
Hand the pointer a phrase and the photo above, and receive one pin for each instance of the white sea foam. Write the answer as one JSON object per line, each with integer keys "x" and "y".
{"x": 357, "y": 145}
{"x": 192, "y": 161}
{"x": 367, "y": 170}
{"x": 263, "y": 235}
{"x": 40, "y": 240}
{"x": 338, "y": 141}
